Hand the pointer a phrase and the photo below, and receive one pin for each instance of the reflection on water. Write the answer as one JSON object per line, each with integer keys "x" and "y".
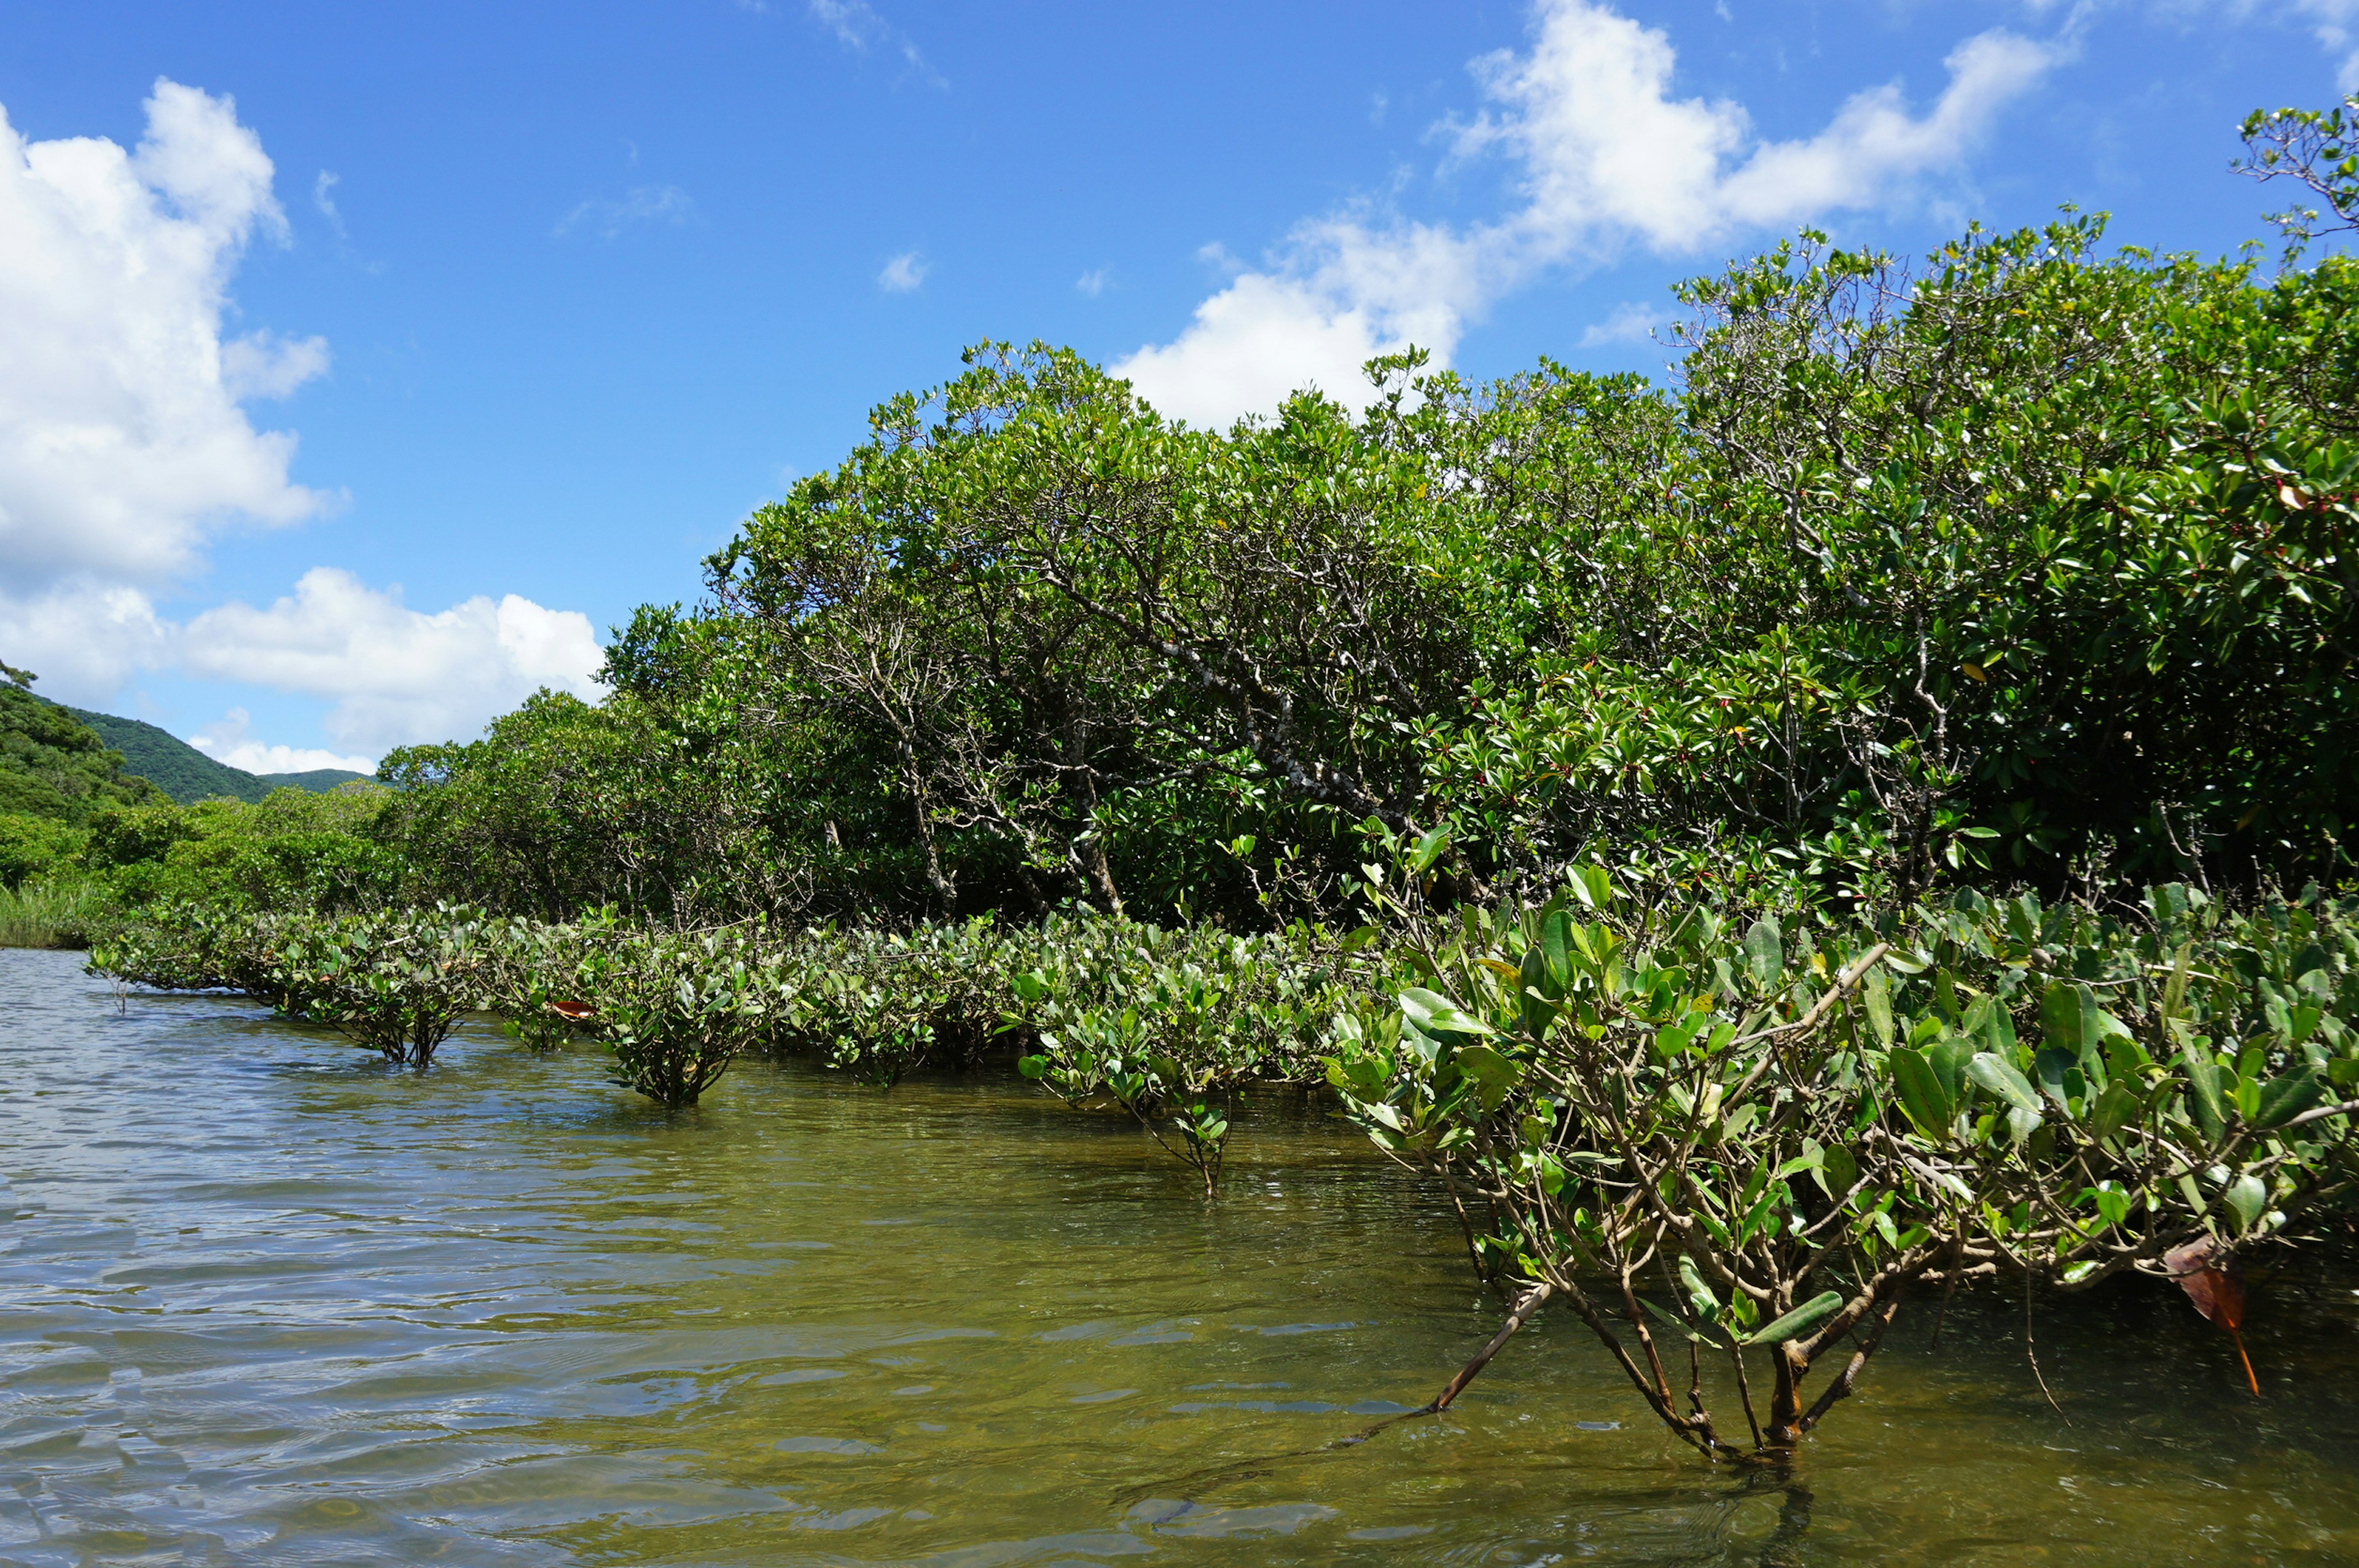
{"x": 262, "y": 1300}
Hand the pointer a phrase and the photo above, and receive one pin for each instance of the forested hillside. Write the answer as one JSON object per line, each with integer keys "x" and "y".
{"x": 56, "y": 768}
{"x": 187, "y": 774}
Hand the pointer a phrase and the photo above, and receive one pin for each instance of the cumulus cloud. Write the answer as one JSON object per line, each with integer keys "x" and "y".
{"x": 230, "y": 739}
{"x": 122, "y": 448}
{"x": 903, "y": 273}
{"x": 394, "y": 673}
{"x": 1607, "y": 158}
{"x": 85, "y": 638}
{"x": 125, "y": 452}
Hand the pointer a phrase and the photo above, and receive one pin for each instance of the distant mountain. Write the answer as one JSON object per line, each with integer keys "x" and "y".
{"x": 318, "y": 781}
{"x": 185, "y": 773}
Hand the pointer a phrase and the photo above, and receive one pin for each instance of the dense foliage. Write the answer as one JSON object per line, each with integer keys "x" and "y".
{"x": 1759, "y": 1138}
{"x": 1911, "y": 579}
{"x": 54, "y": 769}
{"x": 1103, "y": 1011}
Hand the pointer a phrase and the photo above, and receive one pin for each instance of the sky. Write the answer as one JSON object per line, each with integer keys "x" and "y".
{"x": 361, "y": 367}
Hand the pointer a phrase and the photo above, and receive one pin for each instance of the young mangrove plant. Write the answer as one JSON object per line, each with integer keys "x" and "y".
{"x": 537, "y": 977}
{"x": 880, "y": 1004}
{"x": 1173, "y": 1025}
{"x": 676, "y": 1010}
{"x": 1756, "y": 1143}
{"x": 395, "y": 984}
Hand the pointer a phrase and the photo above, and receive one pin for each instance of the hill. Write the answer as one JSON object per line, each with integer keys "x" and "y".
{"x": 52, "y": 767}
{"x": 185, "y": 773}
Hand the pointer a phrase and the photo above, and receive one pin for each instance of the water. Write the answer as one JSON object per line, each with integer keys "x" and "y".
{"x": 262, "y": 1300}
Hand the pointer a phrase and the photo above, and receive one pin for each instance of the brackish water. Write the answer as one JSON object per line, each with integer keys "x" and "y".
{"x": 262, "y": 1300}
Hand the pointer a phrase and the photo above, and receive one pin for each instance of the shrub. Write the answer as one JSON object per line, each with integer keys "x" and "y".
{"x": 676, "y": 1010}
{"x": 1763, "y": 1139}
{"x": 395, "y": 984}
{"x": 1171, "y": 1025}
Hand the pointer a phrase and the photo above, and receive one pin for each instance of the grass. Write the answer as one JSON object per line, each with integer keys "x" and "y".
{"x": 49, "y": 914}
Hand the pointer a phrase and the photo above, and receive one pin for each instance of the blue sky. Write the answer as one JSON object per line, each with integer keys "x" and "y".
{"x": 388, "y": 355}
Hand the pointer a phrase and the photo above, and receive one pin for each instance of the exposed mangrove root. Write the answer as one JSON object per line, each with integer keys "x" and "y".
{"x": 1531, "y": 1302}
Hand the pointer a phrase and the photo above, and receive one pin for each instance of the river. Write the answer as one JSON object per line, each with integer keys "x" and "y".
{"x": 265, "y": 1301}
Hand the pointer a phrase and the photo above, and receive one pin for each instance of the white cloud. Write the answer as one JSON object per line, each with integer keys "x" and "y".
{"x": 321, "y": 198}
{"x": 640, "y": 204}
{"x": 264, "y": 365}
{"x": 123, "y": 448}
{"x": 2334, "y": 22}
{"x": 855, "y": 24}
{"x": 1608, "y": 158}
{"x": 125, "y": 452}
{"x": 903, "y": 273}
{"x": 1252, "y": 344}
{"x": 396, "y": 675}
{"x": 1094, "y": 282}
{"x": 1629, "y": 322}
{"x": 83, "y": 638}
{"x": 231, "y": 741}
{"x": 858, "y": 28}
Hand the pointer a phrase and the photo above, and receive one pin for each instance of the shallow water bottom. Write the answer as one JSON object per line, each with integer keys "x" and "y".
{"x": 264, "y": 1302}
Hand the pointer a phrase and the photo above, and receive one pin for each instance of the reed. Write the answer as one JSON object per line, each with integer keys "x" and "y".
{"x": 49, "y": 914}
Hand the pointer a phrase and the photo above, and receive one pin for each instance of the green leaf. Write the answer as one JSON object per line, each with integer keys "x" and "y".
{"x": 2051, "y": 1067}
{"x": 2021, "y": 1124}
{"x": 1700, "y": 1295}
{"x": 2114, "y": 1110}
{"x": 1437, "y": 1014}
{"x": 2288, "y": 1096}
{"x": 1800, "y": 1321}
{"x": 2203, "y": 1088}
{"x": 1838, "y": 1171}
{"x": 1765, "y": 950}
{"x": 2000, "y": 1077}
{"x": 1428, "y": 849}
{"x": 1878, "y": 992}
{"x": 1921, "y": 1093}
{"x": 2060, "y": 1017}
{"x": 1680, "y": 1325}
{"x": 1493, "y": 1075}
{"x": 2245, "y": 1198}
{"x": 1947, "y": 1059}
{"x": 1556, "y": 941}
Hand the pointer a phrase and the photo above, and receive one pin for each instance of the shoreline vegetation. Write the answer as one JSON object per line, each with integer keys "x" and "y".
{"x": 1869, "y": 814}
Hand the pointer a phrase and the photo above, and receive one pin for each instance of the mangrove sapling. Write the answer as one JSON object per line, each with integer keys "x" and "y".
{"x": 676, "y": 1010}
{"x": 394, "y": 984}
{"x": 1173, "y": 1025}
{"x": 537, "y": 977}
{"x": 882, "y": 1004}
{"x": 1757, "y": 1143}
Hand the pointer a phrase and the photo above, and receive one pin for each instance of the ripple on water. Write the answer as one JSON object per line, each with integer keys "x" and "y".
{"x": 265, "y": 1301}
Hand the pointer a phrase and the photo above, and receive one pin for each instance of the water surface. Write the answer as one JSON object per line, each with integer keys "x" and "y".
{"x": 265, "y": 1301}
